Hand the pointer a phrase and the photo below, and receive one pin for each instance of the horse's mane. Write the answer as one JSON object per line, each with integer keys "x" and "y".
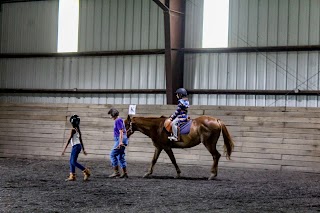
{"x": 153, "y": 117}
{"x": 150, "y": 120}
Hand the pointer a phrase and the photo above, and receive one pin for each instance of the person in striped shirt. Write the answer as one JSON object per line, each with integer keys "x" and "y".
{"x": 181, "y": 114}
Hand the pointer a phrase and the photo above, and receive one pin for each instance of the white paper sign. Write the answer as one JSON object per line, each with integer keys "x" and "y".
{"x": 132, "y": 109}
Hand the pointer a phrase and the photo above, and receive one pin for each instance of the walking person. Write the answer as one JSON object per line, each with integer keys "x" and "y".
{"x": 117, "y": 155}
{"x": 77, "y": 145}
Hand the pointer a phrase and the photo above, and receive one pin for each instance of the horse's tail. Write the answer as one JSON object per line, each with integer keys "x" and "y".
{"x": 228, "y": 142}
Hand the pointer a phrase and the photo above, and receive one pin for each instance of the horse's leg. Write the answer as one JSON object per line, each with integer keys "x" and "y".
{"x": 157, "y": 152}
{"x": 214, "y": 170}
{"x": 173, "y": 160}
{"x": 211, "y": 147}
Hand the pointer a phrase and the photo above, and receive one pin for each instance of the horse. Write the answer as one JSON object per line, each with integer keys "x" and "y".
{"x": 204, "y": 129}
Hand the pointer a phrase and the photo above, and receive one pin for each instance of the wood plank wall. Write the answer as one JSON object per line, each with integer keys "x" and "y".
{"x": 265, "y": 137}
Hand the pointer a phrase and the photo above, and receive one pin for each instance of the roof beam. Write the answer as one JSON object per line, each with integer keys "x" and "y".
{"x": 84, "y": 54}
{"x": 161, "y": 4}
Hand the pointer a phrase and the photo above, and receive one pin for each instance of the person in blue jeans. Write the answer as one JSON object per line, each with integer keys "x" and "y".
{"x": 117, "y": 155}
{"x": 77, "y": 145}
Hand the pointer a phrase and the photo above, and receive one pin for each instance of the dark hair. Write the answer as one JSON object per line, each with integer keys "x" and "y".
{"x": 113, "y": 112}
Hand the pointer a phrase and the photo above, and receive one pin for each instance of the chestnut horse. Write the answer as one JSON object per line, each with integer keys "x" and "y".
{"x": 204, "y": 129}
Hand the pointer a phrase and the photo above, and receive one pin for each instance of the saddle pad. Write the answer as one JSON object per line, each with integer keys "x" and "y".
{"x": 185, "y": 127}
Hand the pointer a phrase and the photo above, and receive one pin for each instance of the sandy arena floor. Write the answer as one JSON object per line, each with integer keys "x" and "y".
{"x": 29, "y": 185}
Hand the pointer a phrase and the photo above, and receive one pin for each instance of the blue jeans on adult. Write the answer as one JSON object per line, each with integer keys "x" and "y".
{"x": 76, "y": 149}
{"x": 117, "y": 155}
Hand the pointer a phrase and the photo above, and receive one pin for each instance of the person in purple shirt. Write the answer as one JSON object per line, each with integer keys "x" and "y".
{"x": 117, "y": 155}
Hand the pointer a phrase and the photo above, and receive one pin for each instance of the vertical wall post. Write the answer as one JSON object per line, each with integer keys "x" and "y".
{"x": 174, "y": 29}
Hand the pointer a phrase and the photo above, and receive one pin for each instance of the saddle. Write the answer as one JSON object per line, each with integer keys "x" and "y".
{"x": 184, "y": 129}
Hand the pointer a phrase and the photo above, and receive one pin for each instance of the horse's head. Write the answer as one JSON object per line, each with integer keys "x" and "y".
{"x": 129, "y": 126}
{"x": 146, "y": 125}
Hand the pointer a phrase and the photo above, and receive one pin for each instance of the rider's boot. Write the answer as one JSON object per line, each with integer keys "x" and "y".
{"x": 173, "y": 138}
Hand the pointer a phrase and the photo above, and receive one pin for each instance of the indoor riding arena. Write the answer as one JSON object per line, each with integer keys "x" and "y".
{"x": 251, "y": 72}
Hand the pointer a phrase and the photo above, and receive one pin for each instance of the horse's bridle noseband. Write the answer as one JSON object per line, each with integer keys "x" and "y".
{"x": 130, "y": 128}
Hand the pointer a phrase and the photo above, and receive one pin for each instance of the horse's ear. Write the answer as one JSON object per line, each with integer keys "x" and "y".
{"x": 128, "y": 118}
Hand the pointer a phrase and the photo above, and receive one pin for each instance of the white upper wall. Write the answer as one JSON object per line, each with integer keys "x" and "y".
{"x": 261, "y": 23}
{"x": 257, "y": 23}
{"x": 32, "y": 27}
{"x": 274, "y": 23}
{"x": 29, "y": 27}
{"x": 104, "y": 25}
{"x": 193, "y": 22}
{"x": 120, "y": 25}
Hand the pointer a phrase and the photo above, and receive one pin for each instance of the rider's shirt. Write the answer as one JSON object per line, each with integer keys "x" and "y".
{"x": 181, "y": 111}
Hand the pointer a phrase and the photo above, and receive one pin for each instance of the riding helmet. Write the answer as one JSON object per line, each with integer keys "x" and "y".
{"x": 182, "y": 92}
{"x": 113, "y": 112}
{"x": 75, "y": 120}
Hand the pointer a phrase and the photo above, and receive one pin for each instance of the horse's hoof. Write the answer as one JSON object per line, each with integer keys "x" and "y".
{"x": 146, "y": 175}
{"x": 212, "y": 177}
{"x": 177, "y": 176}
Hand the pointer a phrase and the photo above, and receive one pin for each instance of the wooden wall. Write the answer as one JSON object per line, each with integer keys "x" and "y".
{"x": 265, "y": 137}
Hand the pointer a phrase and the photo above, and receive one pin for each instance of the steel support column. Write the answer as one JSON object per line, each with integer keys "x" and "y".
{"x": 174, "y": 27}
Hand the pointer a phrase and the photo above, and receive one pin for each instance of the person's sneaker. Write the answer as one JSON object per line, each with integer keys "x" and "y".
{"x": 172, "y": 138}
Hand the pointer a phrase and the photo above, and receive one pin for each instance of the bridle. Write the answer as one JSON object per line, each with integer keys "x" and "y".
{"x": 130, "y": 129}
